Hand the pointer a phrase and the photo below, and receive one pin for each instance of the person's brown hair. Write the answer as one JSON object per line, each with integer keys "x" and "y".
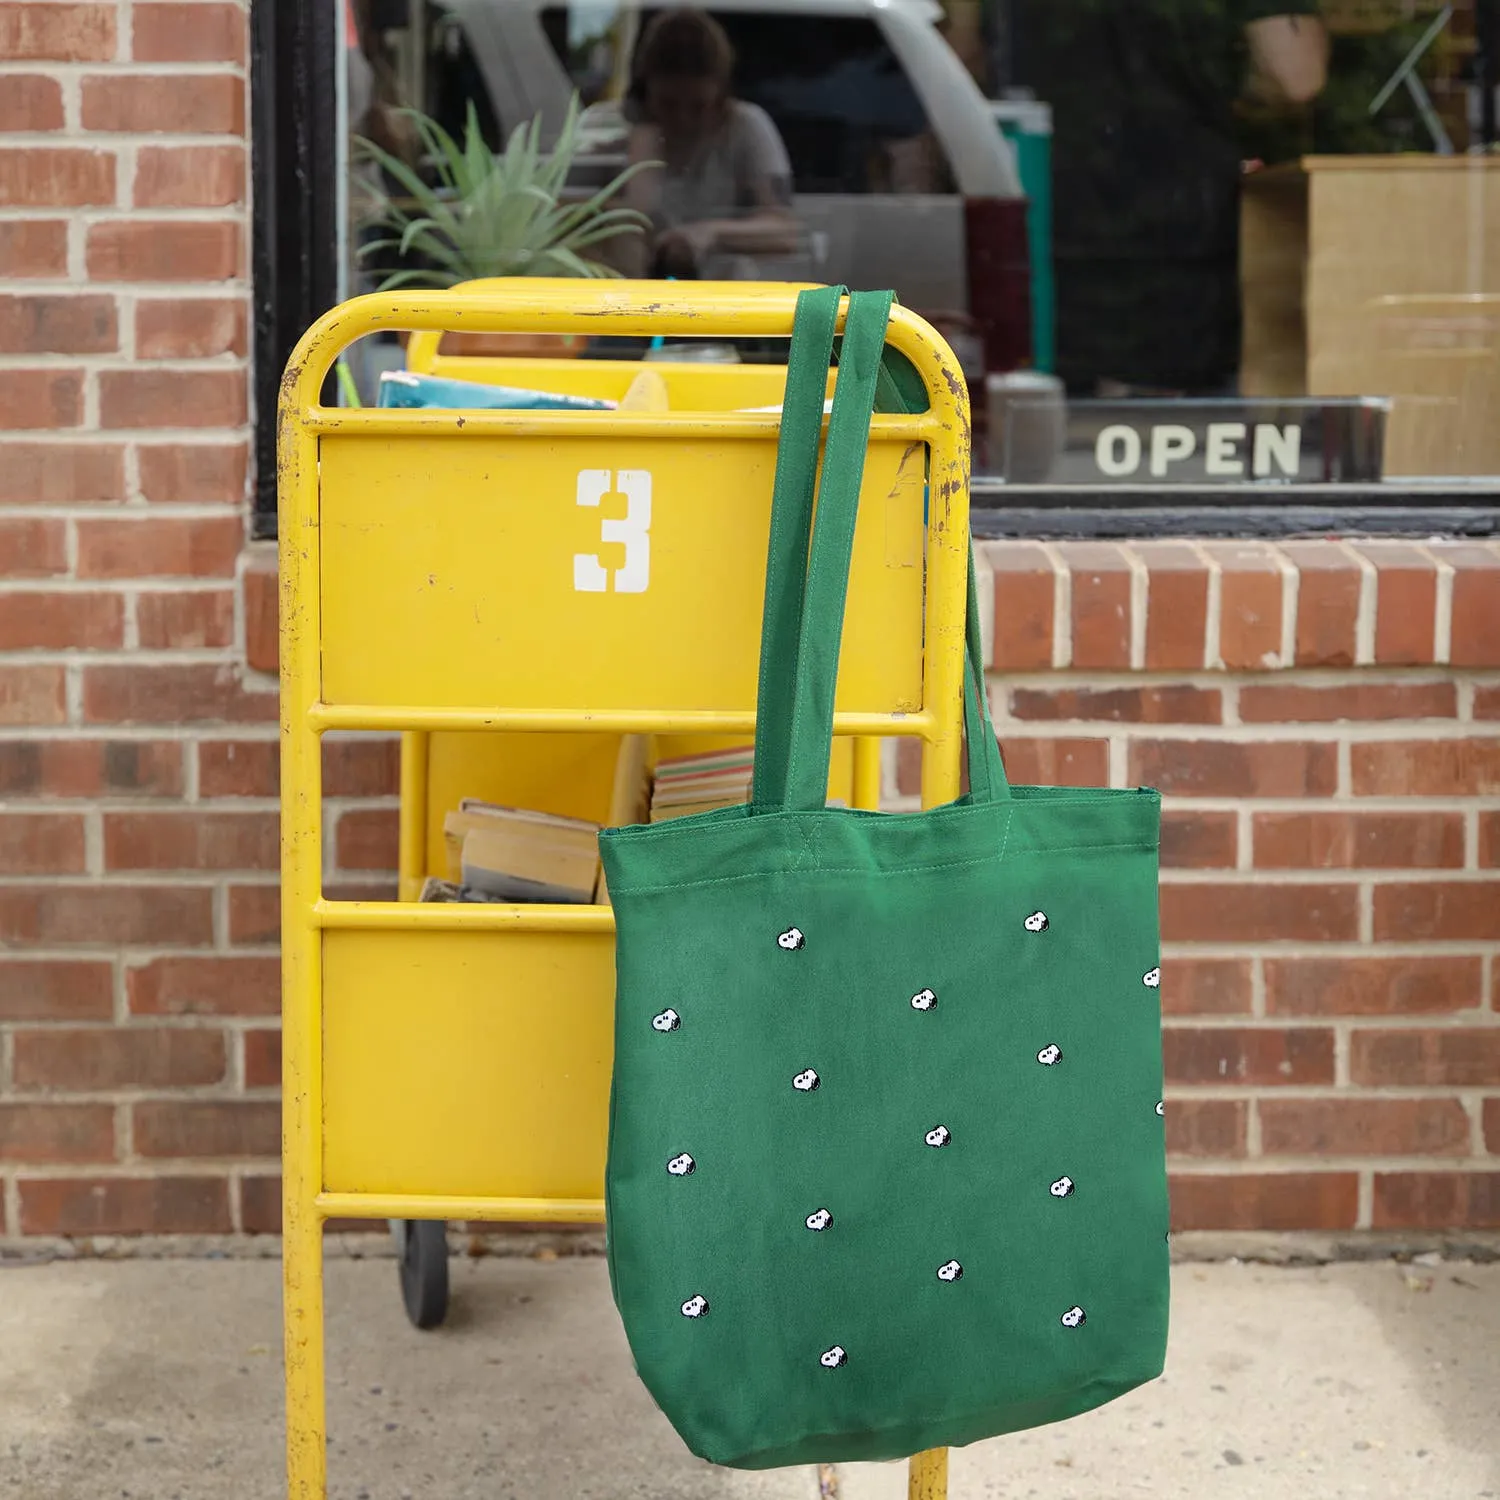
{"x": 682, "y": 43}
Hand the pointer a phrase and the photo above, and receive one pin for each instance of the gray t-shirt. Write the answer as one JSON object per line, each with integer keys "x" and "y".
{"x": 742, "y": 166}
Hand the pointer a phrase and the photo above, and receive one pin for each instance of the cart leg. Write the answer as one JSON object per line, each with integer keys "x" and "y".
{"x": 412, "y": 860}
{"x": 867, "y": 773}
{"x": 306, "y": 1428}
{"x": 927, "y": 1475}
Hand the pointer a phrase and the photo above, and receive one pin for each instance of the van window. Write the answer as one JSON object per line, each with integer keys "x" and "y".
{"x": 851, "y": 119}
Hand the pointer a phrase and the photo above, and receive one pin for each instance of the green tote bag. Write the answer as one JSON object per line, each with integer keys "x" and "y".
{"x": 886, "y": 1161}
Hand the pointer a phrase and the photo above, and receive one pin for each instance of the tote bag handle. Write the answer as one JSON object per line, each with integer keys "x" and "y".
{"x": 807, "y": 581}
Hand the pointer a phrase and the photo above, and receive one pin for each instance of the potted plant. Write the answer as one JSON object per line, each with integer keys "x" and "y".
{"x": 485, "y": 214}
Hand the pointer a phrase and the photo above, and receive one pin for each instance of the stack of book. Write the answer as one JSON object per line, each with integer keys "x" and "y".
{"x": 687, "y": 784}
{"x": 512, "y": 854}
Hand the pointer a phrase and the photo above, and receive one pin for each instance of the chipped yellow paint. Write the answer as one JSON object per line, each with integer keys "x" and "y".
{"x": 927, "y": 1476}
{"x": 416, "y": 596}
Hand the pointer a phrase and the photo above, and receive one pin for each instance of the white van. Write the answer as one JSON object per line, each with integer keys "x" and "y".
{"x": 901, "y": 177}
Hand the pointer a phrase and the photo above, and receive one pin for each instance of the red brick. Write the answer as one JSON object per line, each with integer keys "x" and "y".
{"x": 60, "y": 473}
{"x": 190, "y": 328}
{"x": 1363, "y": 702}
{"x": 32, "y": 548}
{"x": 118, "y": 1057}
{"x": 1476, "y": 605}
{"x": 1363, "y": 1127}
{"x": 262, "y": 639}
{"x": 1206, "y": 1127}
{"x": 237, "y": 1128}
{"x": 41, "y": 398}
{"x": 1492, "y": 1126}
{"x": 192, "y": 693}
{"x": 196, "y": 32}
{"x": 1426, "y": 768}
{"x": 159, "y": 547}
{"x": 125, "y": 1205}
{"x": 90, "y": 768}
{"x": 1437, "y": 1200}
{"x": 33, "y": 247}
{"x": 1176, "y": 607}
{"x": 1404, "y": 986}
{"x": 43, "y": 989}
{"x": 182, "y": 103}
{"x": 171, "y": 398}
{"x": 1250, "y": 587}
{"x": 192, "y": 841}
{"x": 52, "y": 1133}
{"x": 1487, "y": 702}
{"x": 254, "y": 914}
{"x": 1284, "y": 1201}
{"x": 260, "y": 1205}
{"x": 1426, "y": 1059}
{"x": 263, "y": 1059}
{"x": 60, "y": 622}
{"x": 1329, "y": 581}
{"x": 1060, "y": 762}
{"x": 1359, "y": 841}
{"x": 1233, "y": 913}
{"x": 1489, "y": 841}
{"x": 1405, "y": 604}
{"x": 1438, "y": 911}
{"x": 1248, "y": 1056}
{"x": 55, "y": 177}
{"x": 241, "y": 768}
{"x": 367, "y": 766}
{"x": 1025, "y": 598}
{"x": 41, "y": 843}
{"x": 1101, "y": 620}
{"x": 189, "y": 176}
{"x": 1126, "y": 705}
{"x": 1199, "y": 840}
{"x": 1225, "y": 768}
{"x": 195, "y": 473}
{"x": 142, "y": 250}
{"x": 1205, "y": 987}
{"x": 366, "y": 839}
{"x": 57, "y": 33}
{"x": 30, "y": 102}
{"x": 239, "y": 985}
{"x": 106, "y": 915}
{"x": 32, "y": 695}
{"x": 186, "y": 621}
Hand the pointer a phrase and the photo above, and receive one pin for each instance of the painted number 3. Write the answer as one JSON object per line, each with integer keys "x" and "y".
{"x": 590, "y": 576}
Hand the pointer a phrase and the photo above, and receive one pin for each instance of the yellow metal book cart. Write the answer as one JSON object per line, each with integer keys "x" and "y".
{"x": 546, "y": 572}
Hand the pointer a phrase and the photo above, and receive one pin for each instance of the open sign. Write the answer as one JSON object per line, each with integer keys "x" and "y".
{"x": 1230, "y": 450}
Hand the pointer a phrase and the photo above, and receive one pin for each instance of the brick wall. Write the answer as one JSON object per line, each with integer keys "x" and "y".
{"x": 1324, "y": 719}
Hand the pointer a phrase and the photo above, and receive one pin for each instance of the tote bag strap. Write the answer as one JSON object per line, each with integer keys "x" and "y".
{"x": 791, "y": 518}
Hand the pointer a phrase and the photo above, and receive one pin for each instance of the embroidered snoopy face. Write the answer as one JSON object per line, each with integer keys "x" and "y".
{"x": 791, "y": 939}
{"x": 1049, "y": 1054}
{"x": 681, "y": 1166}
{"x": 950, "y": 1271}
{"x": 668, "y": 1020}
{"x": 1062, "y": 1187}
{"x": 695, "y": 1307}
{"x": 923, "y": 1000}
{"x": 1073, "y": 1318}
{"x": 1152, "y": 981}
{"x": 831, "y": 1359}
{"x": 938, "y": 1136}
{"x": 1161, "y": 1107}
{"x": 819, "y": 1221}
{"x": 1037, "y": 922}
{"x": 806, "y": 1081}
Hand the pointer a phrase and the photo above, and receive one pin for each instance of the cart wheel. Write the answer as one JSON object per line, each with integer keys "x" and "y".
{"x": 423, "y": 1249}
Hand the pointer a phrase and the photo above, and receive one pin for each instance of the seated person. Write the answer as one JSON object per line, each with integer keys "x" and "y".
{"x": 723, "y": 185}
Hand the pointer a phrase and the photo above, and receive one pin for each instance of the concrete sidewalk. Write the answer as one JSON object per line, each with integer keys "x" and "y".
{"x": 160, "y": 1380}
